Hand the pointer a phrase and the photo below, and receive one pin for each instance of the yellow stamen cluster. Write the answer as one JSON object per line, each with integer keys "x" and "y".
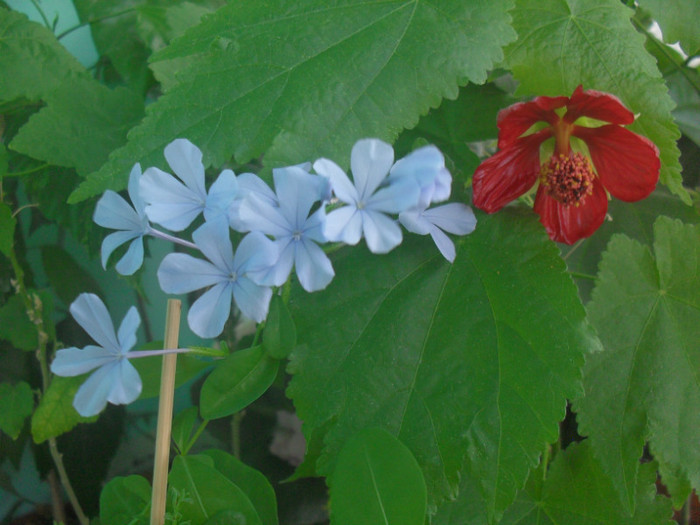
{"x": 568, "y": 178}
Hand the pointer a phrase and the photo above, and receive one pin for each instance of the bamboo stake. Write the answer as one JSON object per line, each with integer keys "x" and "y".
{"x": 165, "y": 414}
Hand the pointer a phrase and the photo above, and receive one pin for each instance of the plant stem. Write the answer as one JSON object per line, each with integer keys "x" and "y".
{"x": 194, "y": 438}
{"x": 165, "y": 414}
{"x": 582, "y": 275}
{"x": 167, "y": 237}
{"x": 95, "y": 21}
{"x": 26, "y": 172}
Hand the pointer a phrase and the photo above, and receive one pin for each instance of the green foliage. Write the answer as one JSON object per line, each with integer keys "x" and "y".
{"x": 15, "y": 326}
{"x": 407, "y": 335}
{"x": 18, "y": 403}
{"x": 7, "y": 229}
{"x": 645, "y": 386}
{"x": 150, "y": 368}
{"x": 280, "y": 335}
{"x": 55, "y": 414}
{"x": 378, "y": 470}
{"x": 125, "y": 501}
{"x": 678, "y": 21}
{"x": 237, "y": 381}
{"x": 564, "y": 44}
{"x": 255, "y": 95}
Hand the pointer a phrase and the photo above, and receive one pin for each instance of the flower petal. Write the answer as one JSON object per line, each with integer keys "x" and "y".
{"x": 443, "y": 243}
{"x": 92, "y": 315}
{"x": 251, "y": 183}
{"x": 255, "y": 252}
{"x": 132, "y": 259}
{"x": 253, "y": 300}
{"x": 400, "y": 195}
{"x": 113, "y": 212}
{"x": 414, "y": 221}
{"x": 509, "y": 173}
{"x": 382, "y": 233}
{"x": 256, "y": 214}
{"x": 182, "y": 273}
{"x": 454, "y": 217}
{"x": 627, "y": 164}
{"x": 597, "y": 105}
{"x": 515, "y": 120}
{"x": 134, "y": 192}
{"x": 127, "y": 330}
{"x": 113, "y": 241}
{"x": 92, "y": 395}
{"x": 170, "y": 203}
{"x": 370, "y": 161}
{"x": 186, "y": 161}
{"x": 568, "y": 224}
{"x": 344, "y": 225}
{"x": 74, "y": 361}
{"x": 221, "y": 195}
{"x": 209, "y": 312}
{"x": 126, "y": 383}
{"x": 297, "y": 190}
{"x": 313, "y": 266}
{"x": 214, "y": 241}
{"x": 277, "y": 273}
{"x": 339, "y": 181}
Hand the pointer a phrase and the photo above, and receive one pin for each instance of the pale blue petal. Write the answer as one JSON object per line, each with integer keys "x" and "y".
{"x": 381, "y": 232}
{"x": 91, "y": 313}
{"x": 134, "y": 191}
{"x": 251, "y": 183}
{"x": 397, "y": 197}
{"x": 414, "y": 222}
{"x": 454, "y": 217}
{"x": 92, "y": 395}
{"x": 278, "y": 272}
{"x": 444, "y": 243}
{"x": 370, "y": 161}
{"x": 221, "y": 195}
{"x": 169, "y": 202}
{"x": 113, "y": 241}
{"x": 113, "y": 212}
{"x": 344, "y": 224}
{"x": 339, "y": 181}
{"x": 443, "y": 186}
{"x": 258, "y": 214}
{"x": 132, "y": 259}
{"x": 313, "y": 266}
{"x": 182, "y": 273}
{"x": 296, "y": 191}
{"x": 126, "y": 383}
{"x": 214, "y": 241}
{"x": 186, "y": 161}
{"x": 126, "y": 335}
{"x": 313, "y": 229}
{"x": 253, "y": 300}
{"x": 74, "y": 361}
{"x": 209, "y": 312}
{"x": 255, "y": 253}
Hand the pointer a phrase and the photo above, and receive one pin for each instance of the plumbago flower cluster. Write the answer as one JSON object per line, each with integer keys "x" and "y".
{"x": 285, "y": 228}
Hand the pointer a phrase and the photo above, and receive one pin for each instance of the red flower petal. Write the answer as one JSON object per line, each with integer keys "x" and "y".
{"x": 515, "y": 120}
{"x": 568, "y": 224}
{"x": 627, "y": 164}
{"x": 509, "y": 173}
{"x": 597, "y": 105}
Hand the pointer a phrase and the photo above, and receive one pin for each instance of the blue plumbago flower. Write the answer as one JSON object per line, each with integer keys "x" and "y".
{"x": 295, "y": 232}
{"x": 175, "y": 203}
{"x": 454, "y": 217}
{"x": 369, "y": 199}
{"x": 426, "y": 166}
{"x": 115, "y": 378}
{"x": 113, "y": 212}
{"x": 226, "y": 273}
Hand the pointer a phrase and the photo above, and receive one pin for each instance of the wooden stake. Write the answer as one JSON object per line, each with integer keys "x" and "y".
{"x": 165, "y": 414}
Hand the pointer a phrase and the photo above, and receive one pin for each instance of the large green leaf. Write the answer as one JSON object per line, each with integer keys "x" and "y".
{"x": 470, "y": 361}
{"x": 125, "y": 501}
{"x": 564, "y": 43}
{"x": 576, "y": 491}
{"x": 18, "y": 403}
{"x": 302, "y": 80}
{"x": 81, "y": 125}
{"x": 645, "y": 385}
{"x": 678, "y": 20}
{"x": 32, "y": 61}
{"x": 55, "y": 414}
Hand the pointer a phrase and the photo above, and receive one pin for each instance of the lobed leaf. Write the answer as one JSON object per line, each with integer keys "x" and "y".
{"x": 55, "y": 414}
{"x": 678, "y": 21}
{"x": 563, "y": 44}
{"x": 18, "y": 403}
{"x": 299, "y": 81}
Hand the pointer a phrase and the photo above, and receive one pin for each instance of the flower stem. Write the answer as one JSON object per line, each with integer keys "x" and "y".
{"x": 165, "y": 414}
{"x": 95, "y": 21}
{"x": 167, "y": 237}
{"x": 194, "y": 438}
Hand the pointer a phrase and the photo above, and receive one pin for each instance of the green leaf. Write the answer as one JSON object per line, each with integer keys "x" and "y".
{"x": 252, "y": 482}
{"x": 183, "y": 426}
{"x": 377, "y": 480}
{"x": 15, "y": 326}
{"x": 17, "y": 402}
{"x": 150, "y": 368}
{"x": 7, "y": 229}
{"x": 450, "y": 359}
{"x": 32, "y": 61}
{"x": 236, "y": 382}
{"x": 645, "y": 386}
{"x": 3, "y": 160}
{"x": 125, "y": 501}
{"x": 344, "y": 72}
{"x": 577, "y": 492}
{"x": 678, "y": 21}
{"x": 66, "y": 276}
{"x": 82, "y": 123}
{"x": 566, "y": 43}
{"x": 208, "y": 491}
{"x": 55, "y": 414}
{"x": 280, "y": 335}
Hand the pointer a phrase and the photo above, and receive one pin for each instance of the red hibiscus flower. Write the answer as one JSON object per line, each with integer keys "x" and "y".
{"x": 571, "y": 199}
